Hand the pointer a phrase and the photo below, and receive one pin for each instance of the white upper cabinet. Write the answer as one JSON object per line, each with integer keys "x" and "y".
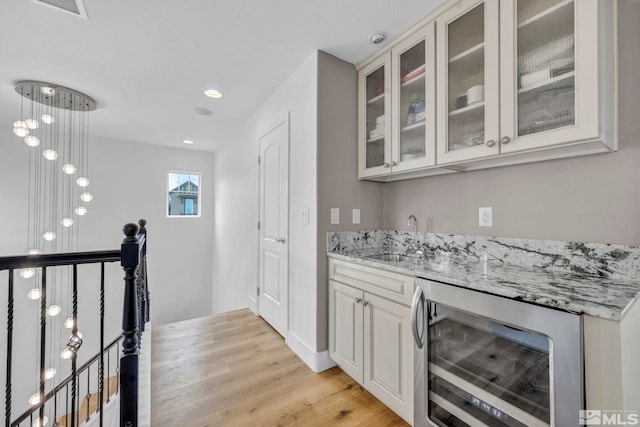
{"x": 396, "y": 106}
{"x": 515, "y": 81}
{"x": 374, "y": 117}
{"x": 468, "y": 81}
{"x": 413, "y": 102}
{"x": 549, "y": 73}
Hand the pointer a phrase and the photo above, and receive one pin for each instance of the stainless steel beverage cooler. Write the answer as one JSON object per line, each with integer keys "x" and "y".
{"x": 484, "y": 360}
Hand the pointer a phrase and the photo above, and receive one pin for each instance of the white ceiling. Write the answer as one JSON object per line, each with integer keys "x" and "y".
{"x": 147, "y": 62}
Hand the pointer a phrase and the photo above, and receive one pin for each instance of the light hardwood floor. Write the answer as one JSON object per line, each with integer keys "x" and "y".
{"x": 235, "y": 370}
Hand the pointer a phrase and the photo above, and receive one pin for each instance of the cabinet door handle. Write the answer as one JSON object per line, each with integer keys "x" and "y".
{"x": 281, "y": 240}
{"x": 358, "y": 300}
{"x": 393, "y": 163}
{"x": 365, "y": 303}
{"x": 505, "y": 140}
{"x": 491, "y": 143}
{"x": 386, "y": 165}
{"x": 418, "y": 301}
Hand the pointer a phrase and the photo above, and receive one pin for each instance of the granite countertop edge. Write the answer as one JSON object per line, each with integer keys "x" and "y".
{"x": 605, "y": 298}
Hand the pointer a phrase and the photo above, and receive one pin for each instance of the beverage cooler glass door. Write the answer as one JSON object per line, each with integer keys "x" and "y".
{"x": 492, "y": 361}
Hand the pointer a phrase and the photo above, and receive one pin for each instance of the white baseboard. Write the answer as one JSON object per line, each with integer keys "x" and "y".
{"x": 253, "y": 305}
{"x": 318, "y": 362}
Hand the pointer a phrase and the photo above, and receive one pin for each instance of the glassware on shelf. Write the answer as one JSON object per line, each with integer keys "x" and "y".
{"x": 546, "y": 65}
{"x": 375, "y": 118}
{"x": 465, "y": 66}
{"x": 412, "y": 102}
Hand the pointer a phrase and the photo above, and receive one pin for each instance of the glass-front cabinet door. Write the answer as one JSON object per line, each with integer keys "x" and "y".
{"x": 549, "y": 72}
{"x": 468, "y": 81}
{"x": 374, "y": 111}
{"x": 413, "y": 106}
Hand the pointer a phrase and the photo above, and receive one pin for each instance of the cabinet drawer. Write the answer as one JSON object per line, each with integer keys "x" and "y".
{"x": 393, "y": 286}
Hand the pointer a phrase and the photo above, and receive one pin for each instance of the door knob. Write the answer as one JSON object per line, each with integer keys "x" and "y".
{"x": 386, "y": 165}
{"x": 491, "y": 143}
{"x": 281, "y": 240}
{"x": 505, "y": 140}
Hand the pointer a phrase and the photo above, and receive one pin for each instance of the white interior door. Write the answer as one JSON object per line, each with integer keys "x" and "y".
{"x": 274, "y": 221}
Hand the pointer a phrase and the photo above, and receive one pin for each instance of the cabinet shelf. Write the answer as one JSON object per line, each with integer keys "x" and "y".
{"x": 417, "y": 125}
{"x": 376, "y": 99}
{"x": 376, "y": 139}
{"x": 548, "y": 84}
{"x": 468, "y": 109}
{"x": 412, "y": 82}
{"x": 557, "y": 9}
{"x": 469, "y": 53}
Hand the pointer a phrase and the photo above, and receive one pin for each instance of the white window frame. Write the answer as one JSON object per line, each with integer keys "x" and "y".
{"x": 166, "y": 208}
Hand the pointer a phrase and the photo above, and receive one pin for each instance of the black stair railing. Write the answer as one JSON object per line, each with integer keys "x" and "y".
{"x": 132, "y": 256}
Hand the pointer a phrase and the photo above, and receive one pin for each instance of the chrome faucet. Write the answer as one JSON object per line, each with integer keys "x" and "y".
{"x": 413, "y": 248}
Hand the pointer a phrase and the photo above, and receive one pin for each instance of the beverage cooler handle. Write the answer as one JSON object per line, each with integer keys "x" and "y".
{"x": 418, "y": 300}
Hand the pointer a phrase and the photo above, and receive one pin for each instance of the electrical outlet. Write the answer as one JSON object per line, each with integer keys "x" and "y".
{"x": 485, "y": 217}
{"x": 335, "y": 215}
{"x": 355, "y": 216}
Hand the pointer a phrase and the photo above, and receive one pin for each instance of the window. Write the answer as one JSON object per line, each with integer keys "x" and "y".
{"x": 183, "y": 194}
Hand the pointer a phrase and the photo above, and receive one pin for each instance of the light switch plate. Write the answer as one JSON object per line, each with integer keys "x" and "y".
{"x": 355, "y": 215}
{"x": 335, "y": 215}
{"x": 304, "y": 216}
{"x": 485, "y": 217}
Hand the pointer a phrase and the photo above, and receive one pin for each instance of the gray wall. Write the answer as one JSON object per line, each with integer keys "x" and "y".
{"x": 594, "y": 198}
{"x": 338, "y": 185}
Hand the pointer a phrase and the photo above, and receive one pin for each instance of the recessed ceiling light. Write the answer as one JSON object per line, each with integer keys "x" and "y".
{"x": 188, "y": 142}
{"x": 212, "y": 93}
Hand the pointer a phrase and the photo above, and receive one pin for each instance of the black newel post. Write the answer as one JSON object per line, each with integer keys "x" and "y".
{"x": 129, "y": 358}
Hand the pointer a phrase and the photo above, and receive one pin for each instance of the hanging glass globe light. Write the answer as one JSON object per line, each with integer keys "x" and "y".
{"x": 53, "y": 310}
{"x": 69, "y": 169}
{"x": 27, "y": 273}
{"x": 34, "y": 251}
{"x": 47, "y": 119}
{"x": 82, "y": 181}
{"x": 80, "y": 210}
{"x": 49, "y": 236}
{"x": 86, "y": 197}
{"x": 34, "y": 294}
{"x": 50, "y": 373}
{"x": 47, "y": 91}
{"x": 32, "y": 140}
{"x": 66, "y": 222}
{"x": 20, "y": 128}
{"x": 50, "y": 154}
{"x": 34, "y": 399}
{"x": 68, "y": 323}
{"x": 32, "y": 123}
{"x": 66, "y": 353}
{"x": 40, "y": 422}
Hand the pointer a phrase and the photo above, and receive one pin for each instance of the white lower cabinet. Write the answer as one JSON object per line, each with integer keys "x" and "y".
{"x": 370, "y": 336}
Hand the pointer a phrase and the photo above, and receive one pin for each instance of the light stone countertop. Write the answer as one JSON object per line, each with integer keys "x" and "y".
{"x": 572, "y": 291}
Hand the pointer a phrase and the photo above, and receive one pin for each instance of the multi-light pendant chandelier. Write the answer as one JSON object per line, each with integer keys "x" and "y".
{"x": 54, "y": 125}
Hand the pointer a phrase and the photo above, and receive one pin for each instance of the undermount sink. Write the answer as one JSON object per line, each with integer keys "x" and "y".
{"x": 391, "y": 257}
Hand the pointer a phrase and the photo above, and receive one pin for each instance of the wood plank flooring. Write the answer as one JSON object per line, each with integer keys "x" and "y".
{"x": 235, "y": 370}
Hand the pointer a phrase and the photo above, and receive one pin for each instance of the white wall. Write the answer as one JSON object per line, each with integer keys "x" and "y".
{"x": 236, "y": 201}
